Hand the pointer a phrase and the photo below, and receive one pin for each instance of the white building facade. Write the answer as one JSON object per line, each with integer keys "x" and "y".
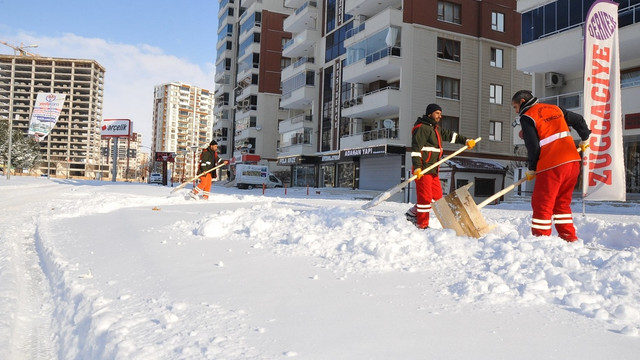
{"x": 552, "y": 50}
{"x": 377, "y": 65}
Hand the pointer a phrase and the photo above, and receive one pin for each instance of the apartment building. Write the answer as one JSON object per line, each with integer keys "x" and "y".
{"x": 182, "y": 124}
{"x": 362, "y": 72}
{"x": 552, "y": 51}
{"x": 72, "y": 149}
{"x": 248, "y": 64}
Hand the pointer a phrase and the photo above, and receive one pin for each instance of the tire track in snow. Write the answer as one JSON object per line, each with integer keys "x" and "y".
{"x": 27, "y": 304}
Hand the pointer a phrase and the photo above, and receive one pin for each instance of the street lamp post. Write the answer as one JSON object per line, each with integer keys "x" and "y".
{"x": 194, "y": 148}
{"x": 184, "y": 162}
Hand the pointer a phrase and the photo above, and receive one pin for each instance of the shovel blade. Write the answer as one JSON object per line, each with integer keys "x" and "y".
{"x": 458, "y": 211}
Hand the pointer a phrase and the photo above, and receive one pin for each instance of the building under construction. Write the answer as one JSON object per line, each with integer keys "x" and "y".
{"x": 72, "y": 149}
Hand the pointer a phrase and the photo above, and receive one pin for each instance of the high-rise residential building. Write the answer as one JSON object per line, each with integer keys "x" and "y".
{"x": 72, "y": 149}
{"x": 552, "y": 50}
{"x": 363, "y": 71}
{"x": 182, "y": 124}
{"x": 226, "y": 66}
{"x": 248, "y": 65}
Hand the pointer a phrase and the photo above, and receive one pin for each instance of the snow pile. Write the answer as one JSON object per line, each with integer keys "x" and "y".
{"x": 503, "y": 266}
{"x": 133, "y": 273}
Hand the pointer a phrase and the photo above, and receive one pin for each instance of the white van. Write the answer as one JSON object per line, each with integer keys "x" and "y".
{"x": 250, "y": 176}
{"x": 155, "y": 178}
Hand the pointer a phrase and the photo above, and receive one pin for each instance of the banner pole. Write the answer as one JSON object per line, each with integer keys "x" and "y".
{"x": 10, "y": 146}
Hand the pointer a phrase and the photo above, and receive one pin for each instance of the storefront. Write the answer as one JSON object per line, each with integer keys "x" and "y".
{"x": 327, "y": 169}
{"x": 376, "y": 167}
{"x": 303, "y": 169}
{"x": 370, "y": 168}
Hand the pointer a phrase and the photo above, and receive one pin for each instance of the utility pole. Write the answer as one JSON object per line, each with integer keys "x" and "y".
{"x": 10, "y": 146}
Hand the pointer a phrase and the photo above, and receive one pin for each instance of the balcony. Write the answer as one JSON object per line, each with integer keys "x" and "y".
{"x": 303, "y": 18}
{"x": 243, "y": 93}
{"x": 302, "y": 64}
{"x": 294, "y": 4}
{"x": 384, "y": 64}
{"x": 368, "y": 138}
{"x": 369, "y": 7}
{"x": 295, "y": 123}
{"x": 564, "y": 51}
{"x": 302, "y": 44}
{"x": 378, "y": 103}
{"x": 300, "y": 98}
{"x": 221, "y": 124}
{"x": 385, "y": 19}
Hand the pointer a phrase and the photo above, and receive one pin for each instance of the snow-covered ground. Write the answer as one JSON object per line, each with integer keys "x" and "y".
{"x": 101, "y": 270}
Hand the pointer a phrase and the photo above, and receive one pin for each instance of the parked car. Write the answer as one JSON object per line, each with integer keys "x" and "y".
{"x": 155, "y": 178}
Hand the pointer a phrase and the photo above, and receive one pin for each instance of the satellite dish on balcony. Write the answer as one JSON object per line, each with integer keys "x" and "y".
{"x": 389, "y": 124}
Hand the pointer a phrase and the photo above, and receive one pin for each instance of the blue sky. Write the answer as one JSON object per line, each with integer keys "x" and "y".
{"x": 141, "y": 43}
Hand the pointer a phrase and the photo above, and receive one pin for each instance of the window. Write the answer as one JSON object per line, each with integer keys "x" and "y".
{"x": 447, "y": 88}
{"x": 461, "y": 182}
{"x": 450, "y": 123}
{"x": 495, "y": 131}
{"x": 449, "y": 49}
{"x": 449, "y": 12}
{"x": 334, "y": 45}
{"x": 484, "y": 187}
{"x": 496, "y": 57}
{"x": 495, "y": 94}
{"x": 497, "y": 21}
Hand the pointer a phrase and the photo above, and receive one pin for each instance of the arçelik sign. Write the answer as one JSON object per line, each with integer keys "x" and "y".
{"x": 116, "y": 128}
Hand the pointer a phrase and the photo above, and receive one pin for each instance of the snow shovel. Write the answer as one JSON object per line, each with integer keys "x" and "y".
{"x": 194, "y": 178}
{"x": 387, "y": 194}
{"x": 459, "y": 212}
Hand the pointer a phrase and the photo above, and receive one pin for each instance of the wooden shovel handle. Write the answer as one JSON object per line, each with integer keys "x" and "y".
{"x": 501, "y": 192}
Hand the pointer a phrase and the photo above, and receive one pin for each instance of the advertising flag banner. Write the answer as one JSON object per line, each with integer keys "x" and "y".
{"x": 603, "y": 162}
{"x": 45, "y": 114}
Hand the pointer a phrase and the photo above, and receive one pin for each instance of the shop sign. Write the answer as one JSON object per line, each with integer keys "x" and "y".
{"x": 367, "y": 151}
{"x": 330, "y": 158}
{"x": 288, "y": 161}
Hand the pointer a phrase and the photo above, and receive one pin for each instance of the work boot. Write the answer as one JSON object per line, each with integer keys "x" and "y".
{"x": 411, "y": 216}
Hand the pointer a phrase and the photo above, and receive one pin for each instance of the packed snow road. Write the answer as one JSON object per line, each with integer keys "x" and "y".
{"x": 98, "y": 270}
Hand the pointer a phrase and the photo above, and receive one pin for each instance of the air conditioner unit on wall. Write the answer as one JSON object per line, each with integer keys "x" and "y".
{"x": 552, "y": 79}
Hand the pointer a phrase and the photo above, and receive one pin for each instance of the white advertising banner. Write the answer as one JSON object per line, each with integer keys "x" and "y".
{"x": 45, "y": 114}
{"x": 116, "y": 128}
{"x": 603, "y": 162}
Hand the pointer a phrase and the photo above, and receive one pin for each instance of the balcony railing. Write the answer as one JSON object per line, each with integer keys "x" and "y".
{"x": 305, "y": 5}
{"x": 349, "y": 102}
{"x": 301, "y": 118}
{"x": 353, "y": 31}
{"x": 390, "y": 51}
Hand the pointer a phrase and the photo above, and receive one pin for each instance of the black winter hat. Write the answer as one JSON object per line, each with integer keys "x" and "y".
{"x": 213, "y": 142}
{"x": 432, "y": 107}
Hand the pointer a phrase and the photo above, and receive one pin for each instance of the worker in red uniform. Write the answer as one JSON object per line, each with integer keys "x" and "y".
{"x": 426, "y": 149}
{"x": 208, "y": 160}
{"x": 553, "y": 160}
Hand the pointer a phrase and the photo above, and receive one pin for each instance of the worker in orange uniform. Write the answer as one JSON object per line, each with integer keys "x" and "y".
{"x": 552, "y": 160}
{"x": 208, "y": 160}
{"x": 426, "y": 149}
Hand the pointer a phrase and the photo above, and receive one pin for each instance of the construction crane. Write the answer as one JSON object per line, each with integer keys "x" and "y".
{"x": 21, "y": 49}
